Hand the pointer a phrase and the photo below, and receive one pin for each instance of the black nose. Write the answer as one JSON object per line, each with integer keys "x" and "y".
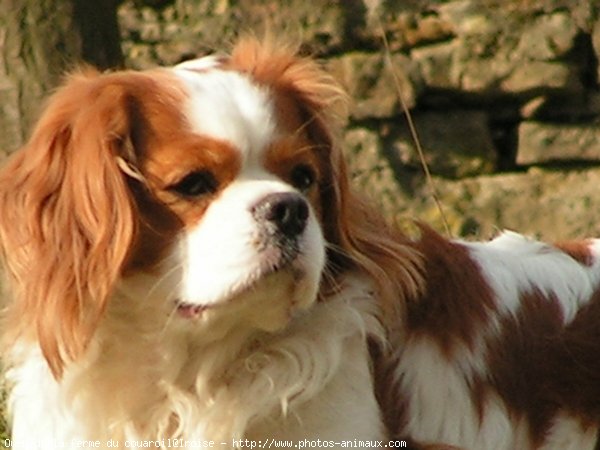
{"x": 287, "y": 211}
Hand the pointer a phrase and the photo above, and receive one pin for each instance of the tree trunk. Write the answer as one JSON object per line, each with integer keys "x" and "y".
{"x": 39, "y": 41}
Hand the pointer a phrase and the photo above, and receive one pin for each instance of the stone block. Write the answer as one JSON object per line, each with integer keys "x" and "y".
{"x": 371, "y": 173}
{"x": 541, "y": 143}
{"x": 548, "y": 37}
{"x": 538, "y": 203}
{"x": 455, "y": 143}
{"x": 436, "y": 64}
{"x": 373, "y": 84}
{"x": 527, "y": 76}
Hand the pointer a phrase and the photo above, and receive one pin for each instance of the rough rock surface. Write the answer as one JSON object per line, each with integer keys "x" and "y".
{"x": 504, "y": 96}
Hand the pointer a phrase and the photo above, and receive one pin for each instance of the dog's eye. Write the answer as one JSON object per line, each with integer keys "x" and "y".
{"x": 303, "y": 177}
{"x": 195, "y": 184}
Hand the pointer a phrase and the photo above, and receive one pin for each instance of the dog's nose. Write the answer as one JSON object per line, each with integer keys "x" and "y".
{"x": 287, "y": 211}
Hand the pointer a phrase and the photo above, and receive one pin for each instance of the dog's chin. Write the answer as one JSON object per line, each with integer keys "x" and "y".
{"x": 267, "y": 298}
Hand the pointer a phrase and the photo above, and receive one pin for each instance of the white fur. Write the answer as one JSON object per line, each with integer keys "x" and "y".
{"x": 218, "y": 268}
{"x": 568, "y": 433}
{"x": 311, "y": 381}
{"x": 514, "y": 264}
{"x": 227, "y": 105}
{"x": 438, "y": 393}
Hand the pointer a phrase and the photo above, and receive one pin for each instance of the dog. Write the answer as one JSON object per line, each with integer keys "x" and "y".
{"x": 187, "y": 263}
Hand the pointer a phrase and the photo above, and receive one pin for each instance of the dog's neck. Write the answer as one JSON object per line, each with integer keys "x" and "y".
{"x": 242, "y": 386}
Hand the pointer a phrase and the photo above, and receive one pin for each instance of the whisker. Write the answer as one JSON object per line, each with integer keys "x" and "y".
{"x": 302, "y": 127}
{"x": 169, "y": 320}
{"x": 306, "y": 148}
{"x": 330, "y": 278}
{"x": 341, "y": 250}
{"x": 172, "y": 314}
{"x": 163, "y": 278}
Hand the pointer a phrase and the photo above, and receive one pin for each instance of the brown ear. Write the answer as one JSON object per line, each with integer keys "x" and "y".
{"x": 67, "y": 219}
{"x": 357, "y": 234}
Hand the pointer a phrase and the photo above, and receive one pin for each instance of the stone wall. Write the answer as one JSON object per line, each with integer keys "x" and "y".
{"x": 503, "y": 94}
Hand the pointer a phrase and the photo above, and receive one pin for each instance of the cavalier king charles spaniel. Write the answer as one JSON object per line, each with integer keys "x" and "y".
{"x": 186, "y": 262}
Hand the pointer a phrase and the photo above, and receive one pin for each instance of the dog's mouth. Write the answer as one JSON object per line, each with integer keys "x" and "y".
{"x": 190, "y": 310}
{"x": 273, "y": 261}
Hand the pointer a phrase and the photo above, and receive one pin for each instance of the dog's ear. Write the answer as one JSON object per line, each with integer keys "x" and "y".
{"x": 357, "y": 234}
{"x": 67, "y": 217}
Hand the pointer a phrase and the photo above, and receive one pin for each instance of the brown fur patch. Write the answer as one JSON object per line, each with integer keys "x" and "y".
{"x": 170, "y": 161}
{"x": 540, "y": 366}
{"x": 457, "y": 300}
{"x": 578, "y": 250}
{"x": 387, "y": 391}
{"x": 575, "y": 363}
{"x": 518, "y": 359}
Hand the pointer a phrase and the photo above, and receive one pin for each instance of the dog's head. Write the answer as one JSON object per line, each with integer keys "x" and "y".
{"x": 217, "y": 183}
